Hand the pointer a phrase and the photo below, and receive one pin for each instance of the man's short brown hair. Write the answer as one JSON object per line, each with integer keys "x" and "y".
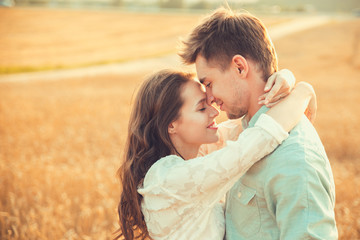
{"x": 225, "y": 34}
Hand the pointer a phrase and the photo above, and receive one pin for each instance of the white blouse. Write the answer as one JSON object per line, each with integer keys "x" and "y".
{"x": 181, "y": 199}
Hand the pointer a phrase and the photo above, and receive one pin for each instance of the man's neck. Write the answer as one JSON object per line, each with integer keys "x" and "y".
{"x": 257, "y": 89}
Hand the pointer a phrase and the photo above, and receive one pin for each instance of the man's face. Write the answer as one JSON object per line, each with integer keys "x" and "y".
{"x": 225, "y": 88}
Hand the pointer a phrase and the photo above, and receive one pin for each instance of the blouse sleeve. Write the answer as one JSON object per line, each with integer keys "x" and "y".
{"x": 209, "y": 177}
{"x": 228, "y": 130}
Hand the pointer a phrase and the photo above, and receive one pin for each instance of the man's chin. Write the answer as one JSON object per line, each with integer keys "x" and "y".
{"x": 234, "y": 116}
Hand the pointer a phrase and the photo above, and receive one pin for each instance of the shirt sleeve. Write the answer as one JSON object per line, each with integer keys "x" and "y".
{"x": 209, "y": 177}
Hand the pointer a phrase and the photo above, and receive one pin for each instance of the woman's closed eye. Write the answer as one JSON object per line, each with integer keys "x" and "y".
{"x": 202, "y": 107}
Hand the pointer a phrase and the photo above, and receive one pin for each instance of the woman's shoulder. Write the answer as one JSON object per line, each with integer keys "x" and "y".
{"x": 160, "y": 169}
{"x": 166, "y": 162}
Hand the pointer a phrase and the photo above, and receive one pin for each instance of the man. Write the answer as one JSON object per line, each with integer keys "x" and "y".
{"x": 290, "y": 194}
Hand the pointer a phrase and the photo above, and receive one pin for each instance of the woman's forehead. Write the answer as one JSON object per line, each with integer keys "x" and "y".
{"x": 193, "y": 92}
{"x": 201, "y": 86}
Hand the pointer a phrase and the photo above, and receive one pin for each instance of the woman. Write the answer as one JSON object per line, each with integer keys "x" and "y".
{"x": 167, "y": 191}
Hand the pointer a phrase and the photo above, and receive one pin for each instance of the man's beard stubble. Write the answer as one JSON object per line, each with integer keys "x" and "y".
{"x": 236, "y": 113}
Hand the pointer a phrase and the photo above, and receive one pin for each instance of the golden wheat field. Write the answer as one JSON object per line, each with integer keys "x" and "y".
{"x": 34, "y": 39}
{"x": 61, "y": 141}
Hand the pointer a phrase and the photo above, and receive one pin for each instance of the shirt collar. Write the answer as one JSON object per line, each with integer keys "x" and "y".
{"x": 251, "y": 123}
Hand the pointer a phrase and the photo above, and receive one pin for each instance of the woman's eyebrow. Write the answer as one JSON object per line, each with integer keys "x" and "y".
{"x": 201, "y": 101}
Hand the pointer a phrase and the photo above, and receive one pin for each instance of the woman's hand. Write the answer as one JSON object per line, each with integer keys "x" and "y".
{"x": 311, "y": 109}
{"x": 289, "y": 111}
{"x": 278, "y": 86}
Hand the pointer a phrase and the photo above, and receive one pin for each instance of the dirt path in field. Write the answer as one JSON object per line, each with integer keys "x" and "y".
{"x": 149, "y": 65}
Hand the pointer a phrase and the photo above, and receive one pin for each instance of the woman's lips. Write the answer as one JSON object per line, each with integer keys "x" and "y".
{"x": 213, "y": 125}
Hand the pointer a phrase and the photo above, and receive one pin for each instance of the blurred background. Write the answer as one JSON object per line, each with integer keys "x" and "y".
{"x": 148, "y": 5}
{"x": 68, "y": 74}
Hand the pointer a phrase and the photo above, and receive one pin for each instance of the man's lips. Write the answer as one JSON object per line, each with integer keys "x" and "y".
{"x": 213, "y": 125}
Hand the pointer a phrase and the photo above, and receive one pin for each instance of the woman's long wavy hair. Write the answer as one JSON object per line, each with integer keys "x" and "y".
{"x": 157, "y": 104}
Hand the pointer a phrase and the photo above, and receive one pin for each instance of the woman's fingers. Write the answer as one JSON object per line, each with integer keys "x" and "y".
{"x": 262, "y": 97}
{"x": 276, "y": 88}
{"x": 273, "y": 101}
{"x": 270, "y": 82}
{"x": 273, "y": 92}
{"x": 270, "y": 105}
{"x": 310, "y": 112}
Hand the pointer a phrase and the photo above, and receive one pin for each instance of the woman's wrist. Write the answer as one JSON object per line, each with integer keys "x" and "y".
{"x": 306, "y": 87}
{"x": 289, "y": 77}
{"x": 308, "y": 92}
{"x": 305, "y": 90}
{"x": 289, "y": 111}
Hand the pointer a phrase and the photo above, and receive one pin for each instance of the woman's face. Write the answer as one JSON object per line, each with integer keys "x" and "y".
{"x": 196, "y": 124}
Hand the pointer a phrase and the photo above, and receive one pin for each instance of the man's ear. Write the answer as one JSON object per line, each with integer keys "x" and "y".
{"x": 172, "y": 128}
{"x": 241, "y": 64}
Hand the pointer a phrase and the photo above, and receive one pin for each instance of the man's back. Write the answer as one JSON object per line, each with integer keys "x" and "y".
{"x": 288, "y": 195}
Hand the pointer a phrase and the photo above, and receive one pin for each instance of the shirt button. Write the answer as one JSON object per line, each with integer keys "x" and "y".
{"x": 239, "y": 194}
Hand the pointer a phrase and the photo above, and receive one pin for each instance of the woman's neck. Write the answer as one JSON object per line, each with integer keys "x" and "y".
{"x": 187, "y": 152}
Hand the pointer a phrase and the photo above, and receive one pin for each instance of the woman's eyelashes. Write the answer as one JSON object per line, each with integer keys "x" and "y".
{"x": 202, "y": 107}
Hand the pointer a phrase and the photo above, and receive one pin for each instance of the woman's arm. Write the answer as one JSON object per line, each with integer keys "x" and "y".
{"x": 289, "y": 111}
{"x": 208, "y": 178}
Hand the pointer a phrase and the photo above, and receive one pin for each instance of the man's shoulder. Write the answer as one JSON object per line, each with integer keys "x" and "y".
{"x": 302, "y": 144}
{"x": 301, "y": 151}
{"x": 303, "y": 136}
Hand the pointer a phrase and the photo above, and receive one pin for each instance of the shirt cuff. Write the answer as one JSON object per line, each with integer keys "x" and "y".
{"x": 272, "y": 127}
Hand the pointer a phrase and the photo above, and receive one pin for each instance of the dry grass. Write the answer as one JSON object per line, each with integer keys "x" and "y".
{"x": 34, "y": 39}
{"x": 60, "y": 148}
{"x": 60, "y": 142}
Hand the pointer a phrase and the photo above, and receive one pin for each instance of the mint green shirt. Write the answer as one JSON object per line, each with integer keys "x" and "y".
{"x": 290, "y": 194}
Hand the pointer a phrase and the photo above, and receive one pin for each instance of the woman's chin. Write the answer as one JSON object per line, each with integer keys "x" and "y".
{"x": 213, "y": 139}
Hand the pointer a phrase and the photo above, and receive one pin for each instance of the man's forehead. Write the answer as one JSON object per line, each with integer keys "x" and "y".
{"x": 201, "y": 63}
{"x": 202, "y": 72}
{"x": 205, "y": 69}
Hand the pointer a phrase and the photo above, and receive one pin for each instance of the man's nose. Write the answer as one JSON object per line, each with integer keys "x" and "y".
{"x": 209, "y": 98}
